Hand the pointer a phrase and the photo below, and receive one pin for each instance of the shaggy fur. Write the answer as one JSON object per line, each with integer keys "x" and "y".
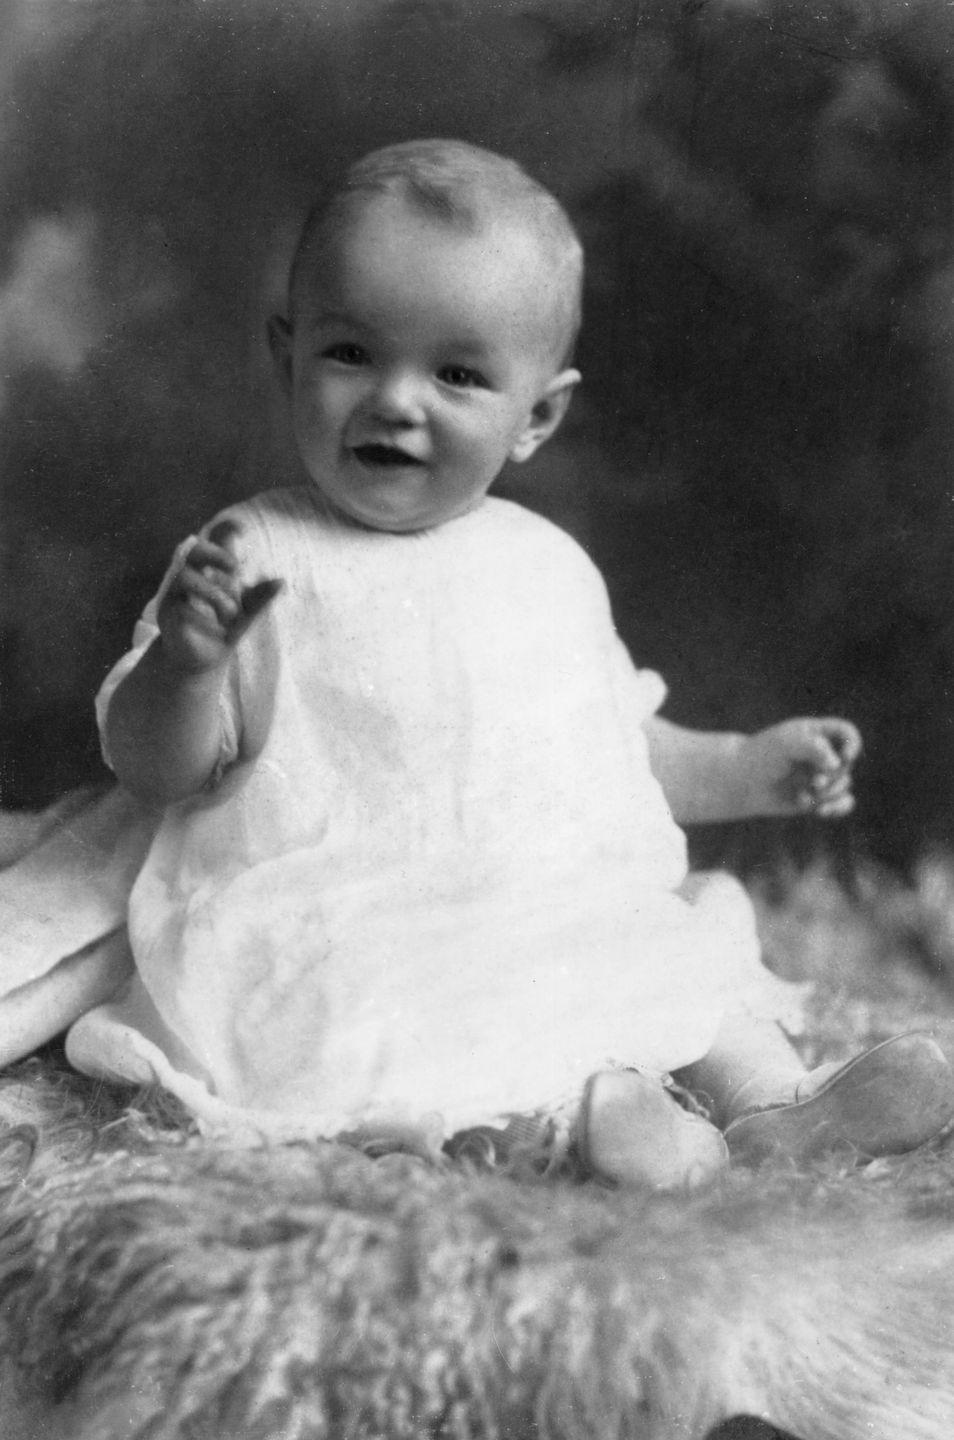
{"x": 153, "y": 1286}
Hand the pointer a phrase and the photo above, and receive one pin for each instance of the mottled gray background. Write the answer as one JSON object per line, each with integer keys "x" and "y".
{"x": 761, "y": 455}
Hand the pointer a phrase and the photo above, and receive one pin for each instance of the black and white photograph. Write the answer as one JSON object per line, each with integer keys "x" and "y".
{"x": 476, "y": 720}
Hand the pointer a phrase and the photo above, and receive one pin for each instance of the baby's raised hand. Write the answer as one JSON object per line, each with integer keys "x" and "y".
{"x": 208, "y": 608}
{"x": 803, "y": 767}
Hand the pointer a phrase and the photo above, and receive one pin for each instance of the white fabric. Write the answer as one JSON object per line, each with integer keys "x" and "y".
{"x": 64, "y": 891}
{"x": 436, "y": 876}
{"x": 70, "y": 886}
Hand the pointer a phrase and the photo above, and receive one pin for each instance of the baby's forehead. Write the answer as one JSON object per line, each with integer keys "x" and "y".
{"x": 369, "y": 220}
{"x": 519, "y": 254}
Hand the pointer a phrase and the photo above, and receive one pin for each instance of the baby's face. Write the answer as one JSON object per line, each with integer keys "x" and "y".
{"x": 419, "y": 363}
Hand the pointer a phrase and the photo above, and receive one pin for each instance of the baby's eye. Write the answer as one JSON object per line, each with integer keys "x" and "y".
{"x": 462, "y": 377}
{"x": 345, "y": 352}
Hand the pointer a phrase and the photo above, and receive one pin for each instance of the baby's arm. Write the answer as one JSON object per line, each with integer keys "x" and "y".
{"x": 797, "y": 767}
{"x": 162, "y": 725}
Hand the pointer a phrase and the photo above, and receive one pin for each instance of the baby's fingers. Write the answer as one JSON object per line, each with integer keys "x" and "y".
{"x": 826, "y": 794}
{"x": 203, "y": 593}
{"x": 256, "y": 597}
{"x": 215, "y": 562}
{"x": 211, "y": 559}
{"x": 831, "y": 785}
{"x": 841, "y": 741}
{"x": 222, "y": 534}
{"x": 832, "y": 807}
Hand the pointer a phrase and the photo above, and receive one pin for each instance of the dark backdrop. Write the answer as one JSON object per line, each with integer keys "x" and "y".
{"x": 760, "y": 458}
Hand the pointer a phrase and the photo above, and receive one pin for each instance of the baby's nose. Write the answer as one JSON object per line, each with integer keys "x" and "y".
{"x": 398, "y": 398}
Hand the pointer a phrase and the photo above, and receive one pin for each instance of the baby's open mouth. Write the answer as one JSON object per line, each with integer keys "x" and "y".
{"x": 384, "y": 455}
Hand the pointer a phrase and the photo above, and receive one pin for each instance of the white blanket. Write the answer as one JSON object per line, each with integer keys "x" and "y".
{"x": 64, "y": 888}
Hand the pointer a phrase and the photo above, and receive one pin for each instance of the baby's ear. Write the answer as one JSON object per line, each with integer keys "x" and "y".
{"x": 280, "y": 345}
{"x": 546, "y": 415}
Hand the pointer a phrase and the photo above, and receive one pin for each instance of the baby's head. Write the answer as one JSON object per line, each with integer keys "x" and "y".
{"x": 433, "y": 307}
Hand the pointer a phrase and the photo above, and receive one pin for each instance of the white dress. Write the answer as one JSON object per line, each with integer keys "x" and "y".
{"x": 445, "y": 885}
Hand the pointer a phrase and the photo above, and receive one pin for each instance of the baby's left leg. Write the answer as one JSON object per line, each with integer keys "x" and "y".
{"x": 888, "y": 1100}
{"x": 750, "y": 1065}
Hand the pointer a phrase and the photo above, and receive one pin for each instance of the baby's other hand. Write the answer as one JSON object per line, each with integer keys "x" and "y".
{"x": 208, "y": 608}
{"x": 805, "y": 767}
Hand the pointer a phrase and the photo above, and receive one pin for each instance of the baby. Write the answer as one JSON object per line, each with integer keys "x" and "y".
{"x": 418, "y": 877}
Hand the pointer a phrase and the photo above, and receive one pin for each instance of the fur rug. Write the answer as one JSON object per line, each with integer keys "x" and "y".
{"x": 154, "y": 1286}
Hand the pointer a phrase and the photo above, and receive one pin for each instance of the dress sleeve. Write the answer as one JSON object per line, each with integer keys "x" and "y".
{"x": 145, "y": 632}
